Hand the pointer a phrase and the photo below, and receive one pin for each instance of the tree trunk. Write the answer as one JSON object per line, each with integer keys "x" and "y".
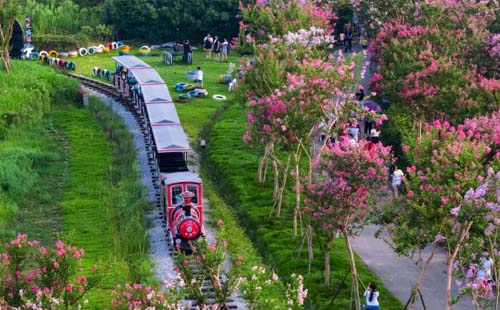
{"x": 5, "y": 59}
{"x": 261, "y": 175}
{"x": 310, "y": 253}
{"x": 297, "y": 194}
{"x": 354, "y": 271}
{"x": 326, "y": 253}
{"x": 423, "y": 270}
{"x": 451, "y": 261}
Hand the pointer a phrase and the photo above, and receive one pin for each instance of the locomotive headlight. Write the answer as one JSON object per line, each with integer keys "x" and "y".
{"x": 189, "y": 229}
{"x": 178, "y": 241}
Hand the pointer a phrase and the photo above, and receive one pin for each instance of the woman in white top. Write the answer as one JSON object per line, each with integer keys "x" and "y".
{"x": 371, "y": 296}
{"x": 375, "y": 134}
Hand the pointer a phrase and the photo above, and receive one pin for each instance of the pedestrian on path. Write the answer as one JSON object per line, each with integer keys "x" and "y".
{"x": 396, "y": 179}
{"x": 375, "y": 134}
{"x": 371, "y": 296}
{"x": 348, "y": 42}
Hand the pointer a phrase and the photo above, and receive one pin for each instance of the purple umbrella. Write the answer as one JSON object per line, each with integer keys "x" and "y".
{"x": 372, "y": 105}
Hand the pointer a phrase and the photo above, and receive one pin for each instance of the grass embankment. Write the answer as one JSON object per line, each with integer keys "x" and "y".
{"x": 102, "y": 206}
{"x": 77, "y": 182}
{"x": 234, "y": 168}
{"x": 32, "y": 167}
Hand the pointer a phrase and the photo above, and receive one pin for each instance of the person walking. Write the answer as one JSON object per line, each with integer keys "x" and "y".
{"x": 207, "y": 45}
{"x": 342, "y": 39}
{"x": 360, "y": 94}
{"x": 217, "y": 48}
{"x": 188, "y": 52}
{"x": 371, "y": 297}
{"x": 375, "y": 134}
{"x": 199, "y": 77}
{"x": 224, "y": 47}
{"x": 348, "y": 43}
{"x": 396, "y": 179}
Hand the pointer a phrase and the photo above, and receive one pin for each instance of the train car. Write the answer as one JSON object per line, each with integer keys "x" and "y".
{"x": 181, "y": 189}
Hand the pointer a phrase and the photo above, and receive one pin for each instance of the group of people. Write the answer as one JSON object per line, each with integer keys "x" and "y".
{"x": 214, "y": 44}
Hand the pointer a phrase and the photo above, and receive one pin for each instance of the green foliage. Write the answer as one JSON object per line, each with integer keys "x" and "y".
{"x": 58, "y": 42}
{"x": 169, "y": 20}
{"x": 30, "y": 169}
{"x": 8, "y": 11}
{"x": 17, "y": 105}
{"x": 59, "y": 17}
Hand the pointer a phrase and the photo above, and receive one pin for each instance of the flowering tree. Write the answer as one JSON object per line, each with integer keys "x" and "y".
{"x": 251, "y": 289}
{"x": 373, "y": 14}
{"x": 208, "y": 262}
{"x": 482, "y": 242}
{"x": 263, "y": 18}
{"x": 338, "y": 201}
{"x": 289, "y": 117}
{"x": 445, "y": 162}
{"x": 435, "y": 65}
{"x": 34, "y": 276}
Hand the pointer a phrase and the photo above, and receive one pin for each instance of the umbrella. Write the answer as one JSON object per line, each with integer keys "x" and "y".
{"x": 372, "y": 105}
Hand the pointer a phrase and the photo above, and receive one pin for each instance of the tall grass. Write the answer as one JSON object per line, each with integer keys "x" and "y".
{"x": 30, "y": 164}
{"x": 126, "y": 196}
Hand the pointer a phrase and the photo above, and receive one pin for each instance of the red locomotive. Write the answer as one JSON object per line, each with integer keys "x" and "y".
{"x": 181, "y": 190}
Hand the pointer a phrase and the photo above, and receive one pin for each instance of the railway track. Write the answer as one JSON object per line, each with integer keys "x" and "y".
{"x": 109, "y": 91}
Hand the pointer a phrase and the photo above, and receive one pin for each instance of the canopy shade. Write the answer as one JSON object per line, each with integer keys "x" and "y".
{"x": 147, "y": 76}
{"x": 162, "y": 114}
{"x": 131, "y": 62}
{"x": 170, "y": 139}
{"x": 156, "y": 93}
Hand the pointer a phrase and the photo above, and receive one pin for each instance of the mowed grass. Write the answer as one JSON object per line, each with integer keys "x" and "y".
{"x": 198, "y": 111}
{"x": 83, "y": 211}
{"x": 233, "y": 166}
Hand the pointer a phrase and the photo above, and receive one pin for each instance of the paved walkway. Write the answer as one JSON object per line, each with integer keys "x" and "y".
{"x": 399, "y": 274}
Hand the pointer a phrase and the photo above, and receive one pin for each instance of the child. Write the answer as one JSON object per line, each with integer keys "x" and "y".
{"x": 199, "y": 77}
{"x": 225, "y": 45}
{"x": 371, "y": 296}
{"x": 396, "y": 179}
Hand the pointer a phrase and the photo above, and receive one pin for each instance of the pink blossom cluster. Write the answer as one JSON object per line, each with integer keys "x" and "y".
{"x": 309, "y": 38}
{"x": 32, "y": 273}
{"x": 353, "y": 173}
{"x": 493, "y": 43}
{"x": 292, "y": 111}
{"x": 144, "y": 297}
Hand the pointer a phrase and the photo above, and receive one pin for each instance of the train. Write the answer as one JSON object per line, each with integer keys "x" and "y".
{"x": 181, "y": 189}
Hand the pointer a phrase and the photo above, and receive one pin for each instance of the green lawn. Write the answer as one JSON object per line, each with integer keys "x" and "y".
{"x": 194, "y": 114}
